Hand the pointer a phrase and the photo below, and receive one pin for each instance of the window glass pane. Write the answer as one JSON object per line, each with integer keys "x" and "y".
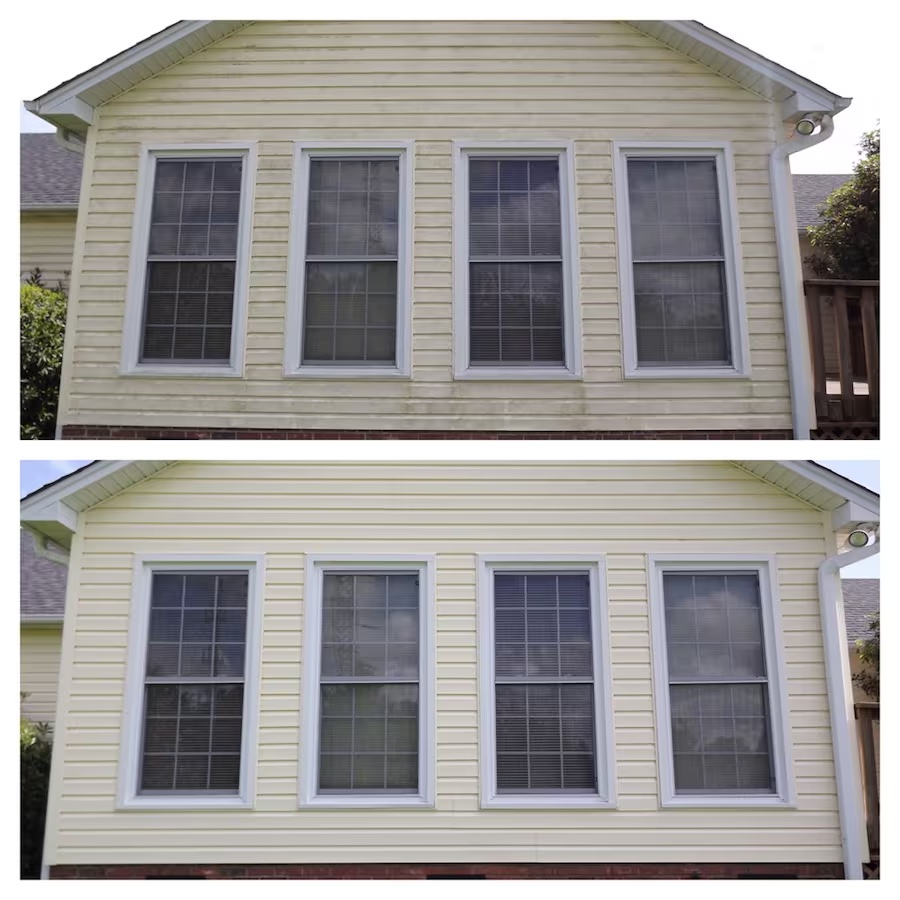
{"x": 681, "y": 313}
{"x": 369, "y": 737}
{"x": 720, "y": 738}
{"x": 192, "y": 732}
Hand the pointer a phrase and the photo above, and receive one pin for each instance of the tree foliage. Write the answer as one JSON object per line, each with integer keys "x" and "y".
{"x": 868, "y": 651}
{"x": 42, "y": 323}
{"x": 845, "y": 244}
{"x": 34, "y": 775}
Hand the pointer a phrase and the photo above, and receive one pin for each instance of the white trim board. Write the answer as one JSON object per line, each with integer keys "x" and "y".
{"x": 317, "y": 564}
{"x": 778, "y": 721}
{"x": 604, "y": 741}
{"x": 127, "y": 795}
{"x": 293, "y": 338}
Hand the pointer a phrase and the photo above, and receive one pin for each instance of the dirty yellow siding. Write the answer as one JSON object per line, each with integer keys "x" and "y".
{"x": 278, "y": 82}
{"x": 39, "y": 651}
{"x": 455, "y": 511}
{"x": 47, "y": 241}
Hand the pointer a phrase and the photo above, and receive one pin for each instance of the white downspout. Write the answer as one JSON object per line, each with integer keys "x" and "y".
{"x": 796, "y": 339}
{"x": 840, "y": 705}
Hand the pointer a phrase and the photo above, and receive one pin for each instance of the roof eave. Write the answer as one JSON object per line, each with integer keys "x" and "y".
{"x": 40, "y": 620}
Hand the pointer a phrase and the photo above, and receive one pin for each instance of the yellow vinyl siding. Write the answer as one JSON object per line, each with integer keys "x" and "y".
{"x": 39, "y": 651}
{"x": 431, "y": 83}
{"x": 47, "y": 241}
{"x": 286, "y": 510}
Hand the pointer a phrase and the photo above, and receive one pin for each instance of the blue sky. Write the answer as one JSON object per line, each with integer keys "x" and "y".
{"x": 36, "y": 473}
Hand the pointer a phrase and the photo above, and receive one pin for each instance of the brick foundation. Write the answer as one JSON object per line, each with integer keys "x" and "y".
{"x": 453, "y": 870}
{"x": 140, "y": 432}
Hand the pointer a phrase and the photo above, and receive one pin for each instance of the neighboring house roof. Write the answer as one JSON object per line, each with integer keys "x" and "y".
{"x": 70, "y": 105}
{"x": 810, "y": 192}
{"x": 861, "y": 602}
{"x": 49, "y": 174}
{"x": 42, "y": 584}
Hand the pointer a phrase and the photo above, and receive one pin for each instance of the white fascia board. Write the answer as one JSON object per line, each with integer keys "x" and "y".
{"x": 815, "y": 97}
{"x": 40, "y": 621}
{"x": 838, "y": 484}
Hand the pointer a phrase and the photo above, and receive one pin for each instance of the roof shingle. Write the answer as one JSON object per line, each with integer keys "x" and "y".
{"x": 49, "y": 174}
{"x": 861, "y": 600}
{"x": 42, "y": 582}
{"x": 810, "y": 192}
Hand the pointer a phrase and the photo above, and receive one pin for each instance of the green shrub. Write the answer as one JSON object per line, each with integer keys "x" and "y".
{"x": 43, "y": 326}
{"x": 34, "y": 773}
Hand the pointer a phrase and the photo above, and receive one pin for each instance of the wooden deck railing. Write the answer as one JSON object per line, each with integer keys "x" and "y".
{"x": 843, "y": 328}
{"x": 868, "y": 718}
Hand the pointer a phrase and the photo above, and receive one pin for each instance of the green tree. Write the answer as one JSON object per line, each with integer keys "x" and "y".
{"x": 34, "y": 776}
{"x": 42, "y": 322}
{"x": 845, "y": 245}
{"x": 868, "y": 652}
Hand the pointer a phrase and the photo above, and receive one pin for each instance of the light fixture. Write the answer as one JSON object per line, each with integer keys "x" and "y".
{"x": 858, "y": 538}
{"x": 806, "y": 127}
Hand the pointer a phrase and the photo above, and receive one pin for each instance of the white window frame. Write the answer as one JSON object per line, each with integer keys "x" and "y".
{"x": 128, "y": 796}
{"x": 721, "y": 151}
{"x": 294, "y": 320}
{"x": 571, "y": 306}
{"x": 137, "y": 266}
{"x": 766, "y": 568}
{"x": 604, "y": 737}
{"x": 317, "y": 565}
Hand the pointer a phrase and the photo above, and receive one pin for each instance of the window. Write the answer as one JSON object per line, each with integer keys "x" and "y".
{"x": 192, "y": 684}
{"x": 191, "y": 247}
{"x": 516, "y": 262}
{"x": 368, "y": 684}
{"x": 718, "y": 683}
{"x": 679, "y": 267}
{"x": 350, "y": 281}
{"x": 545, "y": 728}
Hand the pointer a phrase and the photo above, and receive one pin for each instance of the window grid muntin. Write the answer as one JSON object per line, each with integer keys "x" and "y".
{"x": 675, "y": 260}
{"x": 349, "y": 259}
{"x": 180, "y": 682}
{"x": 178, "y": 258}
{"x": 560, "y": 682}
{"x": 531, "y": 260}
{"x": 354, "y": 681}
{"x": 762, "y": 681}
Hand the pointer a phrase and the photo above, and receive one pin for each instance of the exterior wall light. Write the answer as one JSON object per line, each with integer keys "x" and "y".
{"x": 858, "y": 538}
{"x": 806, "y": 127}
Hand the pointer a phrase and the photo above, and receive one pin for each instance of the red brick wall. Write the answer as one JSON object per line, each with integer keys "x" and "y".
{"x": 140, "y": 432}
{"x": 489, "y": 870}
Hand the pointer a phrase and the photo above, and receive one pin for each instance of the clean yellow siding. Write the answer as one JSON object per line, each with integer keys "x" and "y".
{"x": 278, "y": 82}
{"x": 39, "y": 651}
{"x": 47, "y": 240}
{"x": 286, "y": 510}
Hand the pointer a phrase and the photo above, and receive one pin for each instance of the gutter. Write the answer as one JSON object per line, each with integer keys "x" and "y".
{"x": 840, "y": 705}
{"x": 796, "y": 338}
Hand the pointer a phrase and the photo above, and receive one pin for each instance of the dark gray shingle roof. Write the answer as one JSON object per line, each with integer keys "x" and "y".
{"x": 42, "y": 582}
{"x": 861, "y": 600}
{"x": 49, "y": 175}
{"x": 810, "y": 192}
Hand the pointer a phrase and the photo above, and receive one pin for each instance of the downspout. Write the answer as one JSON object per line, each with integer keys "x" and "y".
{"x": 797, "y": 344}
{"x": 840, "y": 704}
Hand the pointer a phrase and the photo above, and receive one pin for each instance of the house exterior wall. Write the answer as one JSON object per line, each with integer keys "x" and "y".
{"x": 47, "y": 240}
{"x": 39, "y": 652}
{"x": 454, "y": 511}
{"x": 430, "y": 83}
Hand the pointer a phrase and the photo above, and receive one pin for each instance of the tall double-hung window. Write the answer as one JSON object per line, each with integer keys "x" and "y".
{"x": 514, "y": 270}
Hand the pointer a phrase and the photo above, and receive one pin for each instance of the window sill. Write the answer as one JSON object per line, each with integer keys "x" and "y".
{"x": 514, "y": 374}
{"x": 547, "y": 801}
{"x": 733, "y": 801}
{"x": 369, "y": 801}
{"x": 324, "y": 373}
{"x": 676, "y": 373}
{"x": 181, "y": 371}
{"x": 187, "y": 803}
